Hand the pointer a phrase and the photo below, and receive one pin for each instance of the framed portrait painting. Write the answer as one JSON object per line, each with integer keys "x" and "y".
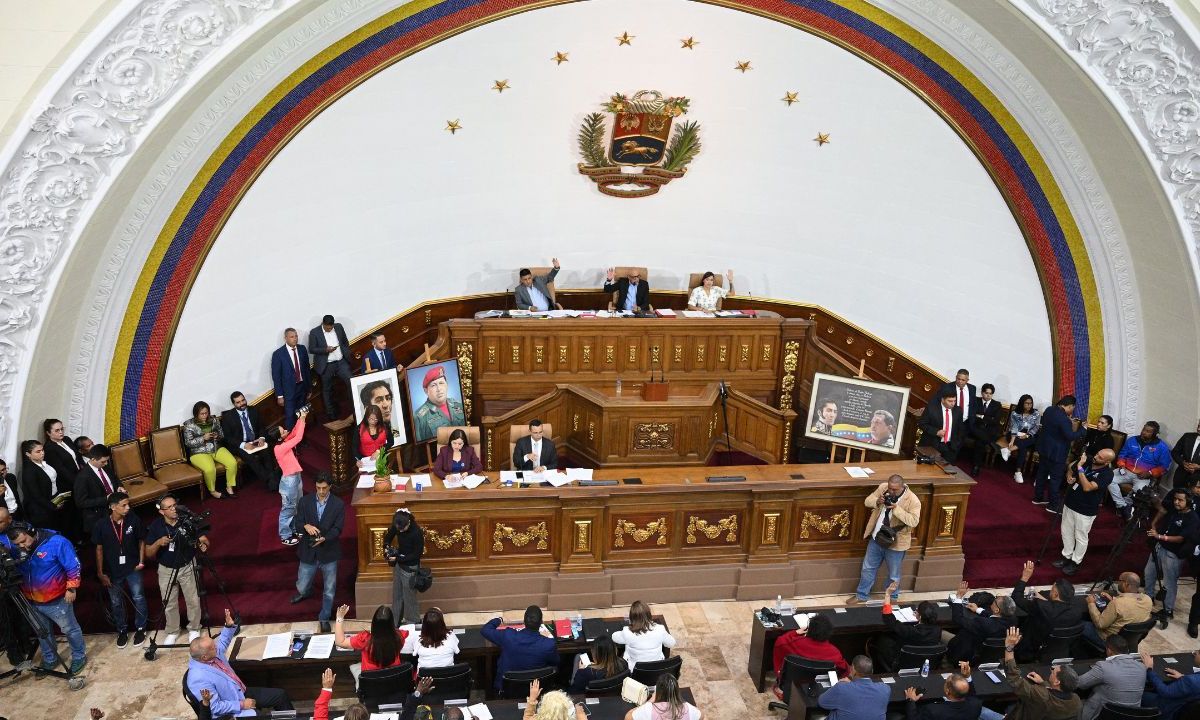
{"x": 381, "y": 389}
{"x": 857, "y": 413}
{"x": 434, "y": 398}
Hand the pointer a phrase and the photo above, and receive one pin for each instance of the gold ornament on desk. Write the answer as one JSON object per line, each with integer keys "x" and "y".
{"x": 644, "y": 151}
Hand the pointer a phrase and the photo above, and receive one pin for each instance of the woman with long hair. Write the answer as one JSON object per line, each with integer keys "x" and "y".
{"x": 371, "y": 434}
{"x": 555, "y": 705}
{"x": 436, "y": 646}
{"x": 606, "y": 663}
{"x": 666, "y": 704}
{"x": 202, "y": 437}
{"x": 1023, "y": 424}
{"x": 457, "y": 459}
{"x": 643, "y": 638}
{"x": 380, "y": 646}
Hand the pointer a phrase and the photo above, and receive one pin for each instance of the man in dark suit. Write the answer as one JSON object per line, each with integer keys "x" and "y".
{"x": 533, "y": 452}
{"x": 942, "y": 425}
{"x": 958, "y": 701}
{"x": 1059, "y": 431}
{"x": 379, "y": 357}
{"x": 319, "y": 520}
{"x": 633, "y": 292}
{"x": 533, "y": 292}
{"x": 242, "y": 432}
{"x": 93, "y": 484}
{"x": 525, "y": 649}
{"x": 290, "y": 376}
{"x": 330, "y": 351}
{"x": 984, "y": 427}
{"x": 964, "y": 394}
{"x": 1186, "y": 455}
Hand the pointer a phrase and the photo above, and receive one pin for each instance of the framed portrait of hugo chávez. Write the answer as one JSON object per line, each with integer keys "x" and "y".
{"x": 434, "y": 398}
{"x": 857, "y": 413}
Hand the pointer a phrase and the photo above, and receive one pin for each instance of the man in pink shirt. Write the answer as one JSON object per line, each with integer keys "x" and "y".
{"x": 291, "y": 484}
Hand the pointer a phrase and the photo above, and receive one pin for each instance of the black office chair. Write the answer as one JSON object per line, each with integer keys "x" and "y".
{"x": 914, "y": 656}
{"x": 647, "y": 672}
{"x": 452, "y": 682}
{"x": 386, "y": 685}
{"x": 1113, "y": 711}
{"x": 515, "y": 683}
{"x": 1135, "y": 633}
{"x": 1191, "y": 711}
{"x": 1061, "y": 643}
{"x": 202, "y": 713}
{"x": 798, "y": 671}
{"x": 991, "y": 651}
{"x": 607, "y": 686}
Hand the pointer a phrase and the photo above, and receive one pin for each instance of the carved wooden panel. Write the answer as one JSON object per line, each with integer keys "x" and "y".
{"x": 654, "y": 436}
{"x": 713, "y": 527}
{"x": 521, "y": 536}
{"x": 450, "y": 539}
{"x": 640, "y": 531}
{"x": 823, "y": 523}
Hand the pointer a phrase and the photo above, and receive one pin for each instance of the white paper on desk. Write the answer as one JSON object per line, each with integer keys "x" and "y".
{"x": 603, "y": 315}
{"x": 532, "y": 478}
{"x": 278, "y": 645}
{"x": 839, "y": 610}
{"x": 382, "y": 716}
{"x": 508, "y": 476}
{"x": 471, "y": 482}
{"x": 696, "y": 314}
{"x": 665, "y": 312}
{"x": 905, "y": 615}
{"x": 365, "y": 482}
{"x": 579, "y": 473}
{"x": 857, "y": 472}
{"x": 942, "y": 604}
{"x": 480, "y": 711}
{"x": 558, "y": 479}
{"x": 319, "y": 646}
{"x": 1170, "y": 660}
{"x": 592, "y": 701}
{"x": 460, "y": 631}
{"x": 888, "y": 680}
{"x": 452, "y": 483}
{"x": 424, "y": 481}
{"x": 869, "y": 471}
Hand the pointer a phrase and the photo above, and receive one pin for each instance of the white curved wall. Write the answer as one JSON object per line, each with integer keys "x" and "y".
{"x": 374, "y": 207}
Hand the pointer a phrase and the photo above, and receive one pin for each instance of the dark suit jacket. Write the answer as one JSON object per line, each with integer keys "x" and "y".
{"x": 330, "y": 525}
{"x": 931, "y": 421}
{"x": 90, "y": 497}
{"x": 973, "y": 630}
{"x": 66, "y": 463}
{"x": 443, "y": 465}
{"x": 525, "y": 445}
{"x": 522, "y": 649}
{"x": 371, "y": 361}
{"x": 283, "y": 374}
{"x": 1042, "y": 617}
{"x": 35, "y": 495}
{"x": 985, "y": 424}
{"x": 971, "y": 396}
{"x": 1181, "y": 453}
{"x": 1055, "y": 437}
{"x": 232, "y": 435}
{"x": 966, "y": 709}
{"x": 316, "y": 345}
{"x": 621, "y": 285}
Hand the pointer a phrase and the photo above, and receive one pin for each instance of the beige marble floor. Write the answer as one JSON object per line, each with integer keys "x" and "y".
{"x": 713, "y": 638}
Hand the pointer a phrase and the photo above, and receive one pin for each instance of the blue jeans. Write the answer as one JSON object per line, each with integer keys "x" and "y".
{"x": 62, "y": 614}
{"x": 1092, "y": 635}
{"x": 290, "y": 487}
{"x": 304, "y": 581}
{"x": 875, "y": 557}
{"x": 132, "y": 581}
{"x": 1170, "y": 567}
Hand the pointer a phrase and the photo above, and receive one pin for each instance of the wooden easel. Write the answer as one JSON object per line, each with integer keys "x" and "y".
{"x": 837, "y": 448}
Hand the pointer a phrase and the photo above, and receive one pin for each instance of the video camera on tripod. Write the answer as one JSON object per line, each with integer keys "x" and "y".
{"x": 10, "y": 577}
{"x": 190, "y": 525}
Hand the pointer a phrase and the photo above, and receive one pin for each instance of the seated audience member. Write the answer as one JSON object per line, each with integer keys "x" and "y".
{"x": 666, "y": 704}
{"x": 856, "y": 696}
{"x": 1023, "y": 425}
{"x": 1119, "y": 678}
{"x": 643, "y": 638}
{"x": 958, "y": 702}
{"x": 8, "y": 491}
{"x": 120, "y": 559}
{"x": 202, "y": 438}
{"x": 977, "y": 624}
{"x": 606, "y": 662}
{"x": 812, "y": 642}
{"x": 436, "y": 645}
{"x": 1186, "y": 455}
{"x": 244, "y": 435}
{"x": 1143, "y": 459}
{"x": 707, "y": 295}
{"x": 925, "y": 631}
{"x": 1092, "y": 478}
{"x": 379, "y": 647}
{"x": 1130, "y": 606}
{"x": 633, "y": 292}
{"x": 554, "y": 705}
{"x": 91, "y": 487}
{"x": 533, "y": 291}
{"x": 534, "y": 452}
{"x": 358, "y": 711}
{"x": 458, "y": 459}
{"x": 379, "y": 357}
{"x": 529, "y": 648}
{"x": 1171, "y": 697}
{"x": 1099, "y": 438}
{"x": 1043, "y": 614}
{"x": 291, "y": 482}
{"x": 208, "y": 671}
{"x": 984, "y": 428}
{"x": 40, "y": 487}
{"x": 83, "y": 445}
{"x": 1051, "y": 699}
{"x": 942, "y": 426}
{"x": 371, "y": 435}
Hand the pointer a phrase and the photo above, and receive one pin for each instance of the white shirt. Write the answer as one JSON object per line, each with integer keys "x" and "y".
{"x": 537, "y": 299}
{"x": 963, "y": 393}
{"x": 331, "y": 341}
{"x": 535, "y": 447}
{"x": 1194, "y": 446}
{"x": 707, "y": 300}
{"x": 643, "y": 712}
{"x": 643, "y": 647}
{"x": 53, "y": 477}
{"x": 427, "y": 657}
{"x": 9, "y": 498}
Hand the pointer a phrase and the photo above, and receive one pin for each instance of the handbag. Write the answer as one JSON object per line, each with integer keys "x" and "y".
{"x": 886, "y": 537}
{"x": 634, "y": 692}
{"x": 422, "y": 579}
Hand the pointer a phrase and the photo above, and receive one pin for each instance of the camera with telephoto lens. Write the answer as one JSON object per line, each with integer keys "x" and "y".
{"x": 301, "y": 411}
{"x": 189, "y": 526}
{"x": 889, "y": 498}
{"x": 10, "y": 577}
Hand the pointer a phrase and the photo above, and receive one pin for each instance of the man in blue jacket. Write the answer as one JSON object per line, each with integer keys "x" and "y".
{"x": 525, "y": 649}
{"x": 857, "y": 696}
{"x": 208, "y": 670}
{"x": 1170, "y": 698}
{"x": 290, "y": 376}
{"x": 1059, "y": 431}
{"x": 1143, "y": 460}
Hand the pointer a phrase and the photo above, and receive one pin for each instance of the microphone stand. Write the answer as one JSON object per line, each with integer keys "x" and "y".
{"x": 724, "y": 393}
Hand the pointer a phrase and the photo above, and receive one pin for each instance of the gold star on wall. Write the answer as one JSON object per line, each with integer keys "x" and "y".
{"x": 690, "y": 43}
{"x": 453, "y": 126}
{"x": 624, "y": 38}
{"x": 791, "y": 97}
{"x": 559, "y": 58}
{"x": 743, "y": 66}
{"x": 500, "y": 86}
{"x": 821, "y": 139}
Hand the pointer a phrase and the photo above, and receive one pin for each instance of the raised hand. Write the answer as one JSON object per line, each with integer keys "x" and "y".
{"x": 327, "y": 679}
{"x": 341, "y": 612}
{"x": 963, "y": 587}
{"x": 1027, "y": 571}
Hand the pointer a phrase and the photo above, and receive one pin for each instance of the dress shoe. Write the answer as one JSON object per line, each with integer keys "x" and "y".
{"x": 1036, "y": 501}
{"x": 298, "y": 597}
{"x": 1054, "y": 510}
{"x": 1070, "y": 569}
{"x": 976, "y": 470}
{"x": 854, "y": 600}
{"x": 1061, "y": 562}
{"x": 324, "y": 627}
{"x": 1192, "y": 631}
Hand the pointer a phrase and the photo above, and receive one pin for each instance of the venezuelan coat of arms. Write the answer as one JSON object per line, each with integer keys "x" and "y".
{"x": 645, "y": 149}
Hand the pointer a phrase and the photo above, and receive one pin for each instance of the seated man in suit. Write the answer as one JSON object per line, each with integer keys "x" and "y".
{"x": 1043, "y": 615}
{"x": 925, "y": 631}
{"x": 533, "y": 292}
{"x": 242, "y": 432}
{"x": 942, "y": 425}
{"x": 527, "y": 649}
{"x": 975, "y": 626}
{"x": 209, "y": 672}
{"x": 959, "y": 702}
{"x": 379, "y": 357}
{"x": 534, "y": 452}
{"x": 92, "y": 486}
{"x": 633, "y": 292}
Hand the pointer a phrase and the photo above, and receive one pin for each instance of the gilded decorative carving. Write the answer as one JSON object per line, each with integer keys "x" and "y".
{"x": 520, "y": 539}
{"x": 491, "y": 354}
{"x": 928, "y": 387}
{"x": 948, "y": 513}
{"x": 791, "y": 361}
{"x": 428, "y": 317}
{"x": 870, "y": 352}
{"x": 829, "y": 330}
{"x": 377, "y": 543}
{"x": 640, "y": 535}
{"x": 770, "y": 533}
{"x": 678, "y": 353}
{"x": 466, "y": 365}
{"x": 908, "y": 375}
{"x": 700, "y": 354}
{"x": 608, "y": 354}
{"x": 591, "y": 430}
{"x": 787, "y": 439}
{"x": 812, "y": 317}
{"x": 766, "y": 352}
{"x": 849, "y": 340}
{"x": 562, "y": 354}
{"x": 712, "y": 425}
{"x": 891, "y": 363}
{"x": 655, "y": 355}
{"x": 632, "y": 354}
{"x": 337, "y": 457}
{"x": 587, "y": 354}
{"x": 583, "y": 536}
{"x": 490, "y": 444}
{"x": 460, "y": 535}
{"x": 404, "y": 329}
{"x": 516, "y": 354}
{"x": 745, "y": 357}
{"x": 711, "y": 531}
{"x": 539, "y": 354}
{"x": 825, "y": 526}
{"x": 575, "y": 423}
{"x": 653, "y": 436}
{"x": 722, "y": 353}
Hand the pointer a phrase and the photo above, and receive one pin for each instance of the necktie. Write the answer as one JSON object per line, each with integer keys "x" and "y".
{"x": 382, "y": 364}
{"x": 962, "y": 403}
{"x": 104, "y": 480}
{"x": 246, "y": 426}
{"x": 947, "y": 425}
{"x": 224, "y": 667}
{"x": 296, "y": 366}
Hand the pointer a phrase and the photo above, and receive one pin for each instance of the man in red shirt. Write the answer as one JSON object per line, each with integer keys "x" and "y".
{"x": 812, "y": 643}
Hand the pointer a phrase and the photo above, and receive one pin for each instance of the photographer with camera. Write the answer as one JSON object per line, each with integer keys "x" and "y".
{"x": 894, "y": 513}
{"x": 50, "y": 579}
{"x": 1174, "y": 537}
{"x": 175, "y": 538}
{"x": 405, "y": 559}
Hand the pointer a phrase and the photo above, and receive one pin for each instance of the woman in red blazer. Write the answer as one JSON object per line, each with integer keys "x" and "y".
{"x": 458, "y": 458}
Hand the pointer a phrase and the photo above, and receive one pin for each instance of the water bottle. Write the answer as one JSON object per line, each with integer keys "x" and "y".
{"x": 618, "y": 387}
{"x": 577, "y": 626}
{"x": 778, "y": 603}
{"x": 925, "y": 668}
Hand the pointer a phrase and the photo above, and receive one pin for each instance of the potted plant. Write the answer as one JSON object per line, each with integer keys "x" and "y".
{"x": 383, "y": 479}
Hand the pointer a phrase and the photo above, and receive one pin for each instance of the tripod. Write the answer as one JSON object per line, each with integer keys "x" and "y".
{"x": 724, "y": 393}
{"x": 201, "y": 561}
{"x": 42, "y": 627}
{"x": 1140, "y": 518}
